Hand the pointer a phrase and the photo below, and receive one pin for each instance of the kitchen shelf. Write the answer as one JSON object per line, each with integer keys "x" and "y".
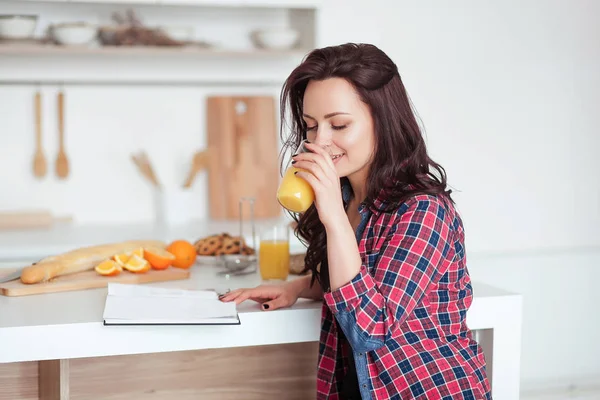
{"x": 54, "y": 50}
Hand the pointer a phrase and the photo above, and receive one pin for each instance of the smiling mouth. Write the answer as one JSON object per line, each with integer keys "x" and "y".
{"x": 335, "y": 157}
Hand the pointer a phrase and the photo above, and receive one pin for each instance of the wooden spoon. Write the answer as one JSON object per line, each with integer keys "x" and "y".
{"x": 199, "y": 163}
{"x": 39, "y": 159}
{"x": 62, "y": 163}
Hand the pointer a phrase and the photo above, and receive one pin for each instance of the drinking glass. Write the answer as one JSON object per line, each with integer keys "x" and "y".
{"x": 274, "y": 253}
{"x": 294, "y": 193}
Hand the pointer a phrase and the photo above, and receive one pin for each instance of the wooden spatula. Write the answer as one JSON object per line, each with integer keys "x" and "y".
{"x": 39, "y": 159}
{"x": 199, "y": 163}
{"x": 62, "y": 163}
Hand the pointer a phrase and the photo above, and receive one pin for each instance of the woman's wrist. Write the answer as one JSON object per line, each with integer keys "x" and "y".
{"x": 303, "y": 289}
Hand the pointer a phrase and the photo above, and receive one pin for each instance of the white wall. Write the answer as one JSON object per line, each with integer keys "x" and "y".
{"x": 507, "y": 92}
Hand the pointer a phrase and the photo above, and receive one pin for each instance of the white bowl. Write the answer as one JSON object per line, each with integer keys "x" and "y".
{"x": 17, "y": 26}
{"x": 276, "y": 39}
{"x": 74, "y": 34}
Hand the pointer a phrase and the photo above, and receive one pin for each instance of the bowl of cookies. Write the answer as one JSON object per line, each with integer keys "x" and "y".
{"x": 226, "y": 251}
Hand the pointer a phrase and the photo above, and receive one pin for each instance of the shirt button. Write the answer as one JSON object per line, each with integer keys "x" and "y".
{"x": 360, "y": 354}
{"x": 364, "y": 385}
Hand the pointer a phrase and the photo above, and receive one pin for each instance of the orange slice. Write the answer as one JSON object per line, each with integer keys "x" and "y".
{"x": 108, "y": 268}
{"x": 138, "y": 252}
{"x": 137, "y": 264}
{"x": 158, "y": 258}
{"x": 121, "y": 259}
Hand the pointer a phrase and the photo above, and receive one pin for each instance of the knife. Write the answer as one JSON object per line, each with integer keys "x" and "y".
{"x": 11, "y": 276}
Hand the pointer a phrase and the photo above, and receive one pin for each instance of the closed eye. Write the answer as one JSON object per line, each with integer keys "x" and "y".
{"x": 338, "y": 128}
{"x": 311, "y": 128}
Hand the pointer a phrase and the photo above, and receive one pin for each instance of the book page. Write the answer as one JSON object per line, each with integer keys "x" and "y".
{"x": 145, "y": 303}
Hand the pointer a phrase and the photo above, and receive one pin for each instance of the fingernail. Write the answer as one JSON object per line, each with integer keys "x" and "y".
{"x": 294, "y": 162}
{"x": 294, "y": 155}
{"x": 307, "y": 142}
{"x": 295, "y": 172}
{"x": 266, "y": 306}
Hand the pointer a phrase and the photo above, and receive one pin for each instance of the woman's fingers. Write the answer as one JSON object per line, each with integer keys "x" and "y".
{"x": 311, "y": 167}
{"x": 316, "y": 149}
{"x": 278, "y": 302}
{"x": 240, "y": 295}
{"x": 311, "y": 179}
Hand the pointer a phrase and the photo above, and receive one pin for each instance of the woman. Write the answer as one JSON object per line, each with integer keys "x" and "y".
{"x": 385, "y": 243}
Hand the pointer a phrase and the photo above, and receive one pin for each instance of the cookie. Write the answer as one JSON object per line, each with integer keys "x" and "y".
{"x": 232, "y": 245}
{"x": 209, "y": 245}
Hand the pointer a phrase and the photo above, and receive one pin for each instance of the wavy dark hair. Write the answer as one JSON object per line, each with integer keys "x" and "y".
{"x": 400, "y": 166}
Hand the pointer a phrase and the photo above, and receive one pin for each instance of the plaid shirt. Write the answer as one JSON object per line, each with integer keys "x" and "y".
{"x": 404, "y": 313}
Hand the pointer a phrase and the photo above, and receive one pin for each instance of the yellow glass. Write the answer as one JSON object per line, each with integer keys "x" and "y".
{"x": 294, "y": 193}
{"x": 274, "y": 253}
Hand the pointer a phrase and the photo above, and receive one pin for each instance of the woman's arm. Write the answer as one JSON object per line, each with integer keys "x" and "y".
{"x": 305, "y": 290}
{"x": 416, "y": 252}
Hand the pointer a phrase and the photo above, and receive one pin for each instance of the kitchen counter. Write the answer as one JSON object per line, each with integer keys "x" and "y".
{"x": 55, "y": 331}
{"x": 63, "y": 326}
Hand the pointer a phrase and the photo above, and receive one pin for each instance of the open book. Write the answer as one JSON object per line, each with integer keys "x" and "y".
{"x": 149, "y": 305}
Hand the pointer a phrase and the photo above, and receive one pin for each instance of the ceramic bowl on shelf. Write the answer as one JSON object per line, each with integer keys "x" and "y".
{"x": 74, "y": 34}
{"x": 275, "y": 38}
{"x": 17, "y": 27}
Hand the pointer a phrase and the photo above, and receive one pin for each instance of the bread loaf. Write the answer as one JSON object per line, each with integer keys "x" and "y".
{"x": 82, "y": 259}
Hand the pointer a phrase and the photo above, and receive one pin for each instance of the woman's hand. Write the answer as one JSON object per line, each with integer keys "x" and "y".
{"x": 320, "y": 173}
{"x": 271, "y": 297}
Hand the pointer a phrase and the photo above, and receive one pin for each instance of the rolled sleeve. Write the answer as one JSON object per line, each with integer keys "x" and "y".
{"x": 347, "y": 297}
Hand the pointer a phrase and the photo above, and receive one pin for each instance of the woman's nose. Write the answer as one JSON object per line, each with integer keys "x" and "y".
{"x": 322, "y": 139}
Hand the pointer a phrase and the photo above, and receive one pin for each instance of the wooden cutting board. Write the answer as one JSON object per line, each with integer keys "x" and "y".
{"x": 243, "y": 145}
{"x": 88, "y": 280}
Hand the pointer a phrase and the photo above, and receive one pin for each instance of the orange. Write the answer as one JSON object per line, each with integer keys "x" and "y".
{"x": 184, "y": 252}
{"x": 108, "y": 268}
{"x": 158, "y": 258}
{"x": 138, "y": 252}
{"x": 137, "y": 264}
{"x": 121, "y": 259}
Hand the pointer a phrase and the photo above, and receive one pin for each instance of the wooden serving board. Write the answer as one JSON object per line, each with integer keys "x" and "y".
{"x": 243, "y": 148}
{"x": 89, "y": 280}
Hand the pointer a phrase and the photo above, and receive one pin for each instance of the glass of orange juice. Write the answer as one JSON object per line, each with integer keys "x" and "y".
{"x": 274, "y": 253}
{"x": 294, "y": 193}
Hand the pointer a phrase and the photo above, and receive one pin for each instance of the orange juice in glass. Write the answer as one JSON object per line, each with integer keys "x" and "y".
{"x": 274, "y": 253}
{"x": 294, "y": 193}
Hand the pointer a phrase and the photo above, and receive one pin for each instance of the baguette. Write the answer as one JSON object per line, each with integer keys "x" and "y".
{"x": 82, "y": 259}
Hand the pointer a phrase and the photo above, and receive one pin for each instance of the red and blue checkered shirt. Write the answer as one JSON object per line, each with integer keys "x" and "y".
{"x": 403, "y": 315}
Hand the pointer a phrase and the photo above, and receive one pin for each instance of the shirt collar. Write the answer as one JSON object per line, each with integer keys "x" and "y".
{"x": 376, "y": 205}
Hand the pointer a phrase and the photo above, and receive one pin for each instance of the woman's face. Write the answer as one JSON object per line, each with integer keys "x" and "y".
{"x": 338, "y": 120}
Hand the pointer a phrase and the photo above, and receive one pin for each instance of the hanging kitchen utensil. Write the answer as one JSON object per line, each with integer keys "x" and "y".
{"x": 62, "y": 162}
{"x": 39, "y": 159}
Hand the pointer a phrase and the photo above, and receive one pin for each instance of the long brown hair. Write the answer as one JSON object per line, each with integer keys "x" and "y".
{"x": 400, "y": 167}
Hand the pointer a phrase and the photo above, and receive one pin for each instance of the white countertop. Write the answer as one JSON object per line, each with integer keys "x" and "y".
{"x": 69, "y": 325}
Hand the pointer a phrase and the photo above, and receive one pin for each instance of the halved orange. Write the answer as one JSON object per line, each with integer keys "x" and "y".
{"x": 108, "y": 268}
{"x": 158, "y": 258}
{"x": 137, "y": 264}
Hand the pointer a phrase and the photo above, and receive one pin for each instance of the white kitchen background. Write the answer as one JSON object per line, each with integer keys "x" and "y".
{"x": 508, "y": 93}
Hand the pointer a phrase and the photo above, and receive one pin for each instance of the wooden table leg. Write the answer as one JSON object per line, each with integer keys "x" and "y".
{"x": 53, "y": 379}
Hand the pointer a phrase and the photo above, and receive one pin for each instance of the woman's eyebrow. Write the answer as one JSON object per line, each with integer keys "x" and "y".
{"x": 333, "y": 114}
